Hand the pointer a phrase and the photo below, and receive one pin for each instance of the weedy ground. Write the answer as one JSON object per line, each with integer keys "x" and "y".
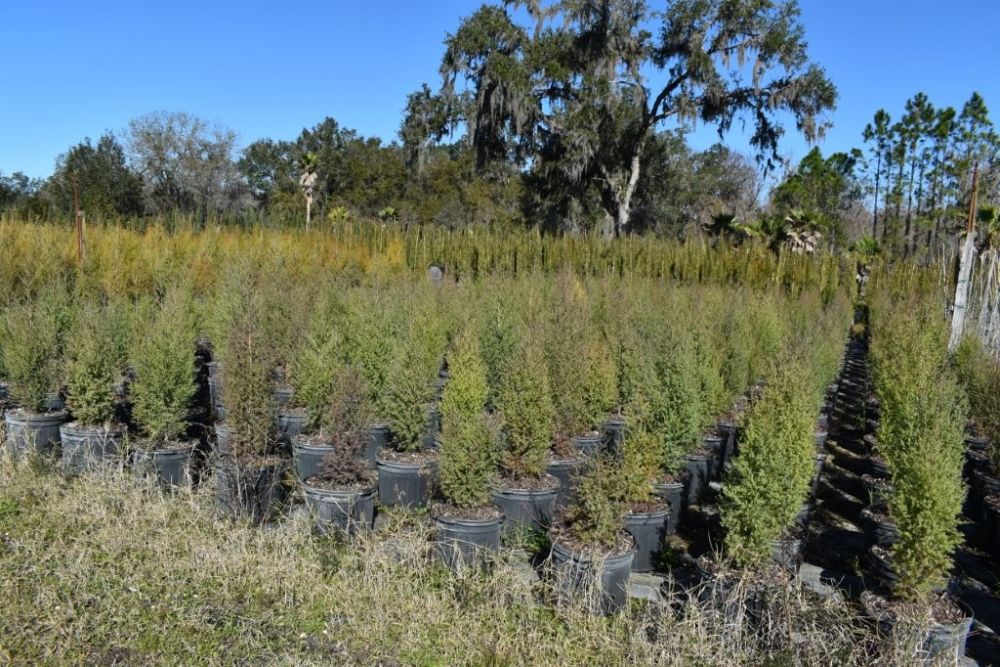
{"x": 101, "y": 570}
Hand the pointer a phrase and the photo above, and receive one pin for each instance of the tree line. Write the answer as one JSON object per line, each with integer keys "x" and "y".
{"x": 571, "y": 116}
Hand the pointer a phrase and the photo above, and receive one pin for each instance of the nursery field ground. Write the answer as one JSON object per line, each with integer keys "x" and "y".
{"x": 97, "y": 570}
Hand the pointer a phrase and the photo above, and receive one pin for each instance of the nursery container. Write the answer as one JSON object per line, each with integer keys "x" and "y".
{"x": 290, "y": 424}
{"x": 378, "y": 437}
{"x": 697, "y": 478}
{"x": 649, "y": 530}
{"x": 728, "y": 431}
{"x": 879, "y": 529}
{"x": 820, "y": 438}
{"x": 526, "y": 509}
{"x": 614, "y": 434}
{"x": 673, "y": 493}
{"x": 608, "y": 576}
{"x": 308, "y": 458}
{"x": 588, "y": 445}
{"x": 282, "y": 395}
{"x": 462, "y": 542}
{"x": 222, "y": 439}
{"x": 349, "y": 511}
{"x": 787, "y": 552}
{"x": 171, "y": 466}
{"x": 565, "y": 470}
{"x": 715, "y": 454}
{"x": 251, "y": 490}
{"x": 404, "y": 484}
{"x": 945, "y": 642}
{"x": 85, "y": 448}
{"x": 37, "y": 432}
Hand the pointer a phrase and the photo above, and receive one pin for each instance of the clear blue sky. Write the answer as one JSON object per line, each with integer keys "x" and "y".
{"x": 71, "y": 69}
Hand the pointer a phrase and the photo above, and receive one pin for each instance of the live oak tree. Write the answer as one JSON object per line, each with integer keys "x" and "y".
{"x": 579, "y": 95}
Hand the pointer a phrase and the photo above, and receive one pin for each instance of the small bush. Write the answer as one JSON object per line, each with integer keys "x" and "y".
{"x": 345, "y": 426}
{"x": 770, "y": 478}
{"x": 641, "y": 461}
{"x": 162, "y": 356}
{"x": 96, "y": 360}
{"x": 595, "y": 517}
{"x": 32, "y": 348}
{"x": 313, "y": 370}
{"x": 525, "y": 403}
{"x": 410, "y": 389}
{"x": 469, "y": 452}
{"x": 675, "y": 411}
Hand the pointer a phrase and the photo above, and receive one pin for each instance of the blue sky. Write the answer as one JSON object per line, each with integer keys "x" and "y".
{"x": 73, "y": 69}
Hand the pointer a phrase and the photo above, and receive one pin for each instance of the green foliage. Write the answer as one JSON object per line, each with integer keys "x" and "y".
{"x": 248, "y": 370}
{"x": 595, "y": 517}
{"x": 640, "y": 465}
{"x": 369, "y": 340}
{"x": 676, "y": 413}
{"x": 162, "y": 356}
{"x": 770, "y": 478}
{"x": 978, "y": 373}
{"x": 345, "y": 426}
{"x": 498, "y": 343}
{"x": 921, "y": 437}
{"x": 95, "y": 362}
{"x": 525, "y": 405}
{"x": 410, "y": 389}
{"x": 469, "y": 437}
{"x": 32, "y": 346}
{"x": 313, "y": 369}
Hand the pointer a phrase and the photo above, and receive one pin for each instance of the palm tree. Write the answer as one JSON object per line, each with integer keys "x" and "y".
{"x": 307, "y": 181}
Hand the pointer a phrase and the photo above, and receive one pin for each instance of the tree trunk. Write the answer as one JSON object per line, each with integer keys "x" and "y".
{"x": 308, "y": 213}
{"x": 624, "y": 200}
{"x": 878, "y": 178}
{"x": 962, "y": 290}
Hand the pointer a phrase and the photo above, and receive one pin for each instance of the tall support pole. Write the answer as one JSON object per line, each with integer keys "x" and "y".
{"x": 78, "y": 221}
{"x": 965, "y": 268}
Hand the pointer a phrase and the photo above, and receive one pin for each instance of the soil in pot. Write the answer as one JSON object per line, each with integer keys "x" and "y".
{"x": 308, "y": 452}
{"x": 528, "y": 503}
{"x": 877, "y": 492}
{"x": 566, "y": 471}
{"x": 30, "y": 432}
{"x": 348, "y": 510}
{"x": 253, "y": 489}
{"x": 647, "y": 523}
{"x": 169, "y": 465}
{"x": 601, "y": 578}
{"x": 405, "y": 478}
{"x": 881, "y": 569}
{"x": 87, "y": 448}
{"x": 671, "y": 489}
{"x": 466, "y": 538}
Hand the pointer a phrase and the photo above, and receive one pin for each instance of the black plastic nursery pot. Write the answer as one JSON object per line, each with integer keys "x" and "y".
{"x": 566, "y": 471}
{"x": 464, "y": 542}
{"x": 819, "y": 461}
{"x": 405, "y": 484}
{"x": 588, "y": 444}
{"x": 819, "y": 437}
{"x": 715, "y": 454}
{"x": 378, "y": 438}
{"x": 879, "y": 529}
{"x": 728, "y": 431}
{"x": 582, "y": 573}
{"x": 223, "y": 436}
{"x": 88, "y": 448}
{"x": 787, "y": 552}
{"x": 649, "y": 530}
{"x": 526, "y": 510}
{"x": 169, "y": 466}
{"x": 945, "y": 643}
{"x": 29, "y": 432}
{"x": 290, "y": 424}
{"x": 347, "y": 511}
{"x": 614, "y": 434}
{"x": 307, "y": 458}
{"x": 282, "y": 396}
{"x": 253, "y": 490}
{"x": 673, "y": 493}
{"x": 697, "y": 478}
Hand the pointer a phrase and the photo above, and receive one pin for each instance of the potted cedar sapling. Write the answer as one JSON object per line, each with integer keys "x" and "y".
{"x": 314, "y": 374}
{"x": 582, "y": 382}
{"x": 646, "y": 514}
{"x": 772, "y": 475}
{"x": 406, "y": 468}
{"x": 468, "y": 526}
{"x": 162, "y": 357}
{"x": 32, "y": 334}
{"x": 94, "y": 370}
{"x": 341, "y": 493}
{"x": 249, "y": 478}
{"x": 591, "y": 554}
{"x": 525, "y": 492}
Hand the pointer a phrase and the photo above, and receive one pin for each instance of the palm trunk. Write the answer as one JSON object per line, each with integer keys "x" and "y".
{"x": 308, "y": 213}
{"x": 878, "y": 178}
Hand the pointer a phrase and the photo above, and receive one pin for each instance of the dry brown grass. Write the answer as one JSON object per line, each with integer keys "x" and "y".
{"x": 99, "y": 570}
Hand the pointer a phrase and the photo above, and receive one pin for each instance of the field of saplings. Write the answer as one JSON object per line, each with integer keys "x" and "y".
{"x": 386, "y": 446}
